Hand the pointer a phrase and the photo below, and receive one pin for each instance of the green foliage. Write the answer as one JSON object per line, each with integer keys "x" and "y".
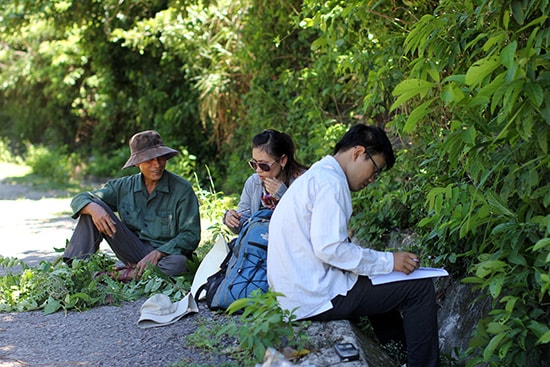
{"x": 55, "y": 286}
{"x": 207, "y": 336}
{"x": 487, "y": 92}
{"x": 68, "y": 79}
{"x": 392, "y": 204}
{"x": 108, "y": 165}
{"x": 264, "y": 324}
{"x": 52, "y": 164}
{"x": 6, "y": 155}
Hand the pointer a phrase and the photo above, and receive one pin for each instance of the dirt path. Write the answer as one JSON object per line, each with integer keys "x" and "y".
{"x": 32, "y": 222}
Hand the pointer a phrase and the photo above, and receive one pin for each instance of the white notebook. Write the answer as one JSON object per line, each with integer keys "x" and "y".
{"x": 397, "y": 276}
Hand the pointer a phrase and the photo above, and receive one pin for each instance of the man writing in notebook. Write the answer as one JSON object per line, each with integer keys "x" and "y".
{"x": 324, "y": 276}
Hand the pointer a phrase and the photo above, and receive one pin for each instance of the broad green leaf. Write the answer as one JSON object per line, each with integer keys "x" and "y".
{"x": 538, "y": 328}
{"x": 495, "y": 285}
{"x": 517, "y": 11}
{"x": 409, "y": 88}
{"x": 459, "y": 78}
{"x": 538, "y": 20}
{"x": 472, "y": 280}
{"x": 545, "y": 339}
{"x": 506, "y": 19}
{"x": 478, "y": 100}
{"x": 452, "y": 94}
{"x": 51, "y": 306}
{"x": 503, "y": 350}
{"x": 488, "y": 267}
{"x": 494, "y": 343}
{"x": 510, "y": 303}
{"x": 535, "y": 93}
{"x": 83, "y": 296}
{"x": 319, "y": 43}
{"x": 508, "y": 53}
{"x": 496, "y": 39}
{"x": 434, "y": 73}
{"x": 469, "y": 135}
{"x": 517, "y": 259}
{"x": 480, "y": 70}
{"x": 545, "y": 242}
{"x": 497, "y": 205}
{"x": 237, "y": 305}
{"x": 542, "y": 140}
{"x": 474, "y": 42}
{"x": 497, "y": 327}
{"x": 417, "y": 114}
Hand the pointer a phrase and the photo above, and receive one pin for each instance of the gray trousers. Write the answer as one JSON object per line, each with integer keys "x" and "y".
{"x": 125, "y": 244}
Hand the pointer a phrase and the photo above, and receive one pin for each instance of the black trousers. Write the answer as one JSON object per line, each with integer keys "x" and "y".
{"x": 126, "y": 245}
{"x": 403, "y": 312}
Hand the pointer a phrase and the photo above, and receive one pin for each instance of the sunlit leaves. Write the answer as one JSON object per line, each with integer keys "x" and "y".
{"x": 410, "y": 88}
{"x": 481, "y": 69}
{"x": 493, "y": 109}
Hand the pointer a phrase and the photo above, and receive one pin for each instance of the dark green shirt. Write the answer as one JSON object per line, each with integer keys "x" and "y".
{"x": 168, "y": 218}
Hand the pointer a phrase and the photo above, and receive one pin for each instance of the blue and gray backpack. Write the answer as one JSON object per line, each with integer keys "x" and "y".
{"x": 244, "y": 268}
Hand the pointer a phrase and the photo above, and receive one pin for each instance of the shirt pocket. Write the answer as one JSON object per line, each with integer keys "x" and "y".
{"x": 163, "y": 222}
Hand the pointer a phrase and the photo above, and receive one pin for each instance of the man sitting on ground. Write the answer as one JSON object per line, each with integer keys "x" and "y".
{"x": 159, "y": 221}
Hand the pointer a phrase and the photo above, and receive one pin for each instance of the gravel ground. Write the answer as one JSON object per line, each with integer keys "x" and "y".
{"x": 103, "y": 336}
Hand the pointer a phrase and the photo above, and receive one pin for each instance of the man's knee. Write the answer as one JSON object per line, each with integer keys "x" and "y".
{"x": 173, "y": 265}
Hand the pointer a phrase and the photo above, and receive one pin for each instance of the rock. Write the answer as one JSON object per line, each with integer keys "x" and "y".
{"x": 323, "y": 336}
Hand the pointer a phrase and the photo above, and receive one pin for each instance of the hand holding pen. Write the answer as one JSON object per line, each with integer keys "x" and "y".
{"x": 405, "y": 262}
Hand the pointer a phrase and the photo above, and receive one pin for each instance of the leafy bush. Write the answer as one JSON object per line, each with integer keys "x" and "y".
{"x": 5, "y": 152}
{"x": 264, "y": 324}
{"x": 480, "y": 85}
{"x": 51, "y": 163}
{"x": 103, "y": 166}
{"x": 55, "y": 286}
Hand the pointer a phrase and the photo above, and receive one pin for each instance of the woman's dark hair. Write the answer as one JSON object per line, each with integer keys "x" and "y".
{"x": 277, "y": 144}
{"x": 373, "y": 138}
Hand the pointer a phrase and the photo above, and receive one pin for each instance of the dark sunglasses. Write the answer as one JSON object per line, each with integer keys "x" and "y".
{"x": 266, "y": 167}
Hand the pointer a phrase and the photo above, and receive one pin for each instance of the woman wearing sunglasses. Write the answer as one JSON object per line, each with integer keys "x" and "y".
{"x": 275, "y": 169}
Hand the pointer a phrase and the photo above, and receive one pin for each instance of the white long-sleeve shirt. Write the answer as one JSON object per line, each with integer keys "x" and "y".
{"x": 310, "y": 258}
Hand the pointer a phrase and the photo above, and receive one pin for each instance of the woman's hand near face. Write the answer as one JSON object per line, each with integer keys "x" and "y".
{"x": 272, "y": 185}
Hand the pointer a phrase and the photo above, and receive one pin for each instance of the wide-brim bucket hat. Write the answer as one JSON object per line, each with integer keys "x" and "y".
{"x": 147, "y": 145}
{"x": 158, "y": 310}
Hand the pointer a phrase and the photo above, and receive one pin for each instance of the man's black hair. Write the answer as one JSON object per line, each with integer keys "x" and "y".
{"x": 373, "y": 138}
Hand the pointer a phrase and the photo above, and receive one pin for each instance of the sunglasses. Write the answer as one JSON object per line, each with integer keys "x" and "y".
{"x": 266, "y": 167}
